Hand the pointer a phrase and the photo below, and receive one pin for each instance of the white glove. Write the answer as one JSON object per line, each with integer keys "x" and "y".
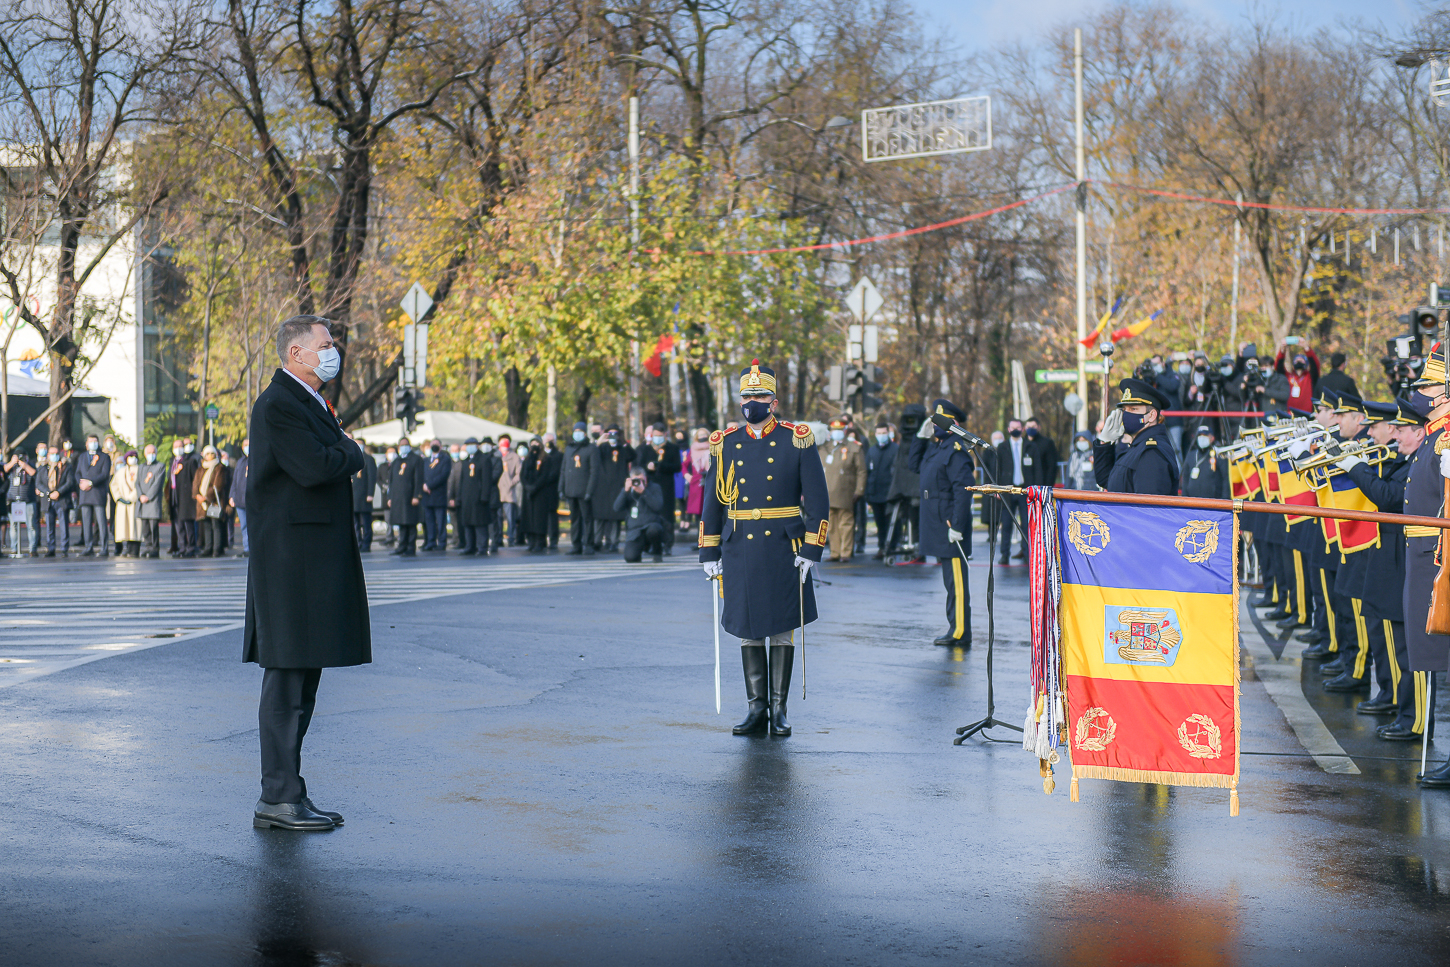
{"x": 1298, "y": 449}
{"x": 954, "y": 536}
{"x": 1445, "y": 464}
{"x": 1112, "y": 430}
{"x": 1354, "y": 461}
{"x": 804, "y": 564}
{"x": 927, "y": 431}
{"x": 712, "y": 569}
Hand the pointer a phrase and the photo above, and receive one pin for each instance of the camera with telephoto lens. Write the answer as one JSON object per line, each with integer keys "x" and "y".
{"x": 1403, "y": 362}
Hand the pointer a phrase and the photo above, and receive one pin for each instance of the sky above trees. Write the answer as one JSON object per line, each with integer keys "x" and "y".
{"x": 984, "y": 24}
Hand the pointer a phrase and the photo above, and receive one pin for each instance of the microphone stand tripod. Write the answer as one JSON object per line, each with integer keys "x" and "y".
{"x": 991, "y": 721}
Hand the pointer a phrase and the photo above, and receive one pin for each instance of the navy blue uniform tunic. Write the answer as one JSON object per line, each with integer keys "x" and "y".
{"x": 1145, "y": 466}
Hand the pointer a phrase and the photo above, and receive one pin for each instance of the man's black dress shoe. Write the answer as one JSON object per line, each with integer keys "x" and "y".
{"x": 1346, "y": 683}
{"x": 1436, "y": 778}
{"x": 1319, "y": 652}
{"x": 1276, "y": 614}
{"x": 948, "y": 641}
{"x": 1310, "y": 637}
{"x": 335, "y": 817}
{"x": 1393, "y": 733}
{"x": 1263, "y": 601}
{"x": 1375, "y": 706}
{"x": 1288, "y": 623}
{"x": 289, "y": 815}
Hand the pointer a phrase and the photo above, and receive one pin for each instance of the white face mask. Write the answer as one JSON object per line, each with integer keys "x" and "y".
{"x": 329, "y": 363}
{"x": 658, "y": 441}
{"x": 1082, "y": 446}
{"x": 471, "y": 448}
{"x": 150, "y": 456}
{"x": 579, "y": 436}
{"x": 486, "y": 448}
{"x": 130, "y": 461}
{"x": 838, "y": 435}
{"x": 1204, "y": 441}
{"x": 40, "y": 455}
{"x": 246, "y": 451}
{"x": 997, "y": 438}
{"x": 882, "y": 439}
{"x": 1197, "y": 379}
{"x": 392, "y": 455}
{"x": 405, "y": 450}
{"x": 190, "y": 448}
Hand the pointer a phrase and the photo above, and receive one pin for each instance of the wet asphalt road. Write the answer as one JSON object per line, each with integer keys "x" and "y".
{"x": 537, "y": 775}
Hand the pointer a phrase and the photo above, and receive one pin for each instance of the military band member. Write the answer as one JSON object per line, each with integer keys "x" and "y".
{"x": 764, "y": 523}
{"x": 1321, "y": 567}
{"x": 1399, "y": 694}
{"x": 1349, "y": 671}
{"x": 1133, "y": 453}
{"x": 947, "y": 469}
{"x": 1425, "y": 497}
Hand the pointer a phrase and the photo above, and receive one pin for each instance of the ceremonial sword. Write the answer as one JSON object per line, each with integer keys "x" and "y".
{"x": 715, "y": 597}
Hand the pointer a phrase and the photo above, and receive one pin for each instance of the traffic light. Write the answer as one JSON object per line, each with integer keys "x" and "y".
{"x": 874, "y": 376}
{"x": 852, "y": 378}
{"x": 405, "y": 407}
{"x": 1426, "y": 321}
{"x": 835, "y": 387}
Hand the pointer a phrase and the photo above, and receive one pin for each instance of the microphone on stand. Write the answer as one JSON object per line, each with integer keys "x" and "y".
{"x": 950, "y": 425}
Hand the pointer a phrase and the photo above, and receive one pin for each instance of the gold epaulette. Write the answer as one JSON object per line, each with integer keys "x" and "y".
{"x": 800, "y": 434}
{"x": 717, "y": 441}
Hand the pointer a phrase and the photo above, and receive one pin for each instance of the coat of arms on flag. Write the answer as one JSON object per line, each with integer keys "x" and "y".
{"x": 1147, "y": 654}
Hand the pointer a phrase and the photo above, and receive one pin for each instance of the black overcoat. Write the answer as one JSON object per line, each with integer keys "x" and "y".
{"x": 307, "y": 603}
{"x": 478, "y": 497}
{"x": 363, "y": 484}
{"x": 614, "y": 463}
{"x": 405, "y": 484}
{"x": 540, "y": 478}
{"x": 180, "y": 475}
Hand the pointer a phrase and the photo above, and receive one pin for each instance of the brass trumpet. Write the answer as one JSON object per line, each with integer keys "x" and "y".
{"x": 1277, "y": 445}
{"x": 1321, "y": 466}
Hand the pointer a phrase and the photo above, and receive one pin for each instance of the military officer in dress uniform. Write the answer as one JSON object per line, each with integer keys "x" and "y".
{"x": 1133, "y": 453}
{"x": 1382, "y": 586}
{"x": 764, "y": 523}
{"x": 1425, "y": 497}
{"x": 947, "y": 470}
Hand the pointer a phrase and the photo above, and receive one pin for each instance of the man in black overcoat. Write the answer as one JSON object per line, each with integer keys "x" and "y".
{"x": 615, "y": 456}
{"x": 661, "y": 460}
{"x": 478, "y": 497}
{"x": 307, "y": 605}
{"x": 437, "y": 468}
{"x": 405, "y": 497}
{"x": 363, "y": 484}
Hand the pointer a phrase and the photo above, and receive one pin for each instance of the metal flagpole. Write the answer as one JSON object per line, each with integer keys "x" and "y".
{"x": 1080, "y": 219}
{"x": 715, "y": 595}
{"x": 1425, "y": 735}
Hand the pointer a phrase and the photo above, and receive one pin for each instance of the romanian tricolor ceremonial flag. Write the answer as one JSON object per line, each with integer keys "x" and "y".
{"x": 1150, "y": 648}
{"x": 1243, "y": 477}
{"x": 1344, "y": 494}
{"x": 1294, "y": 489}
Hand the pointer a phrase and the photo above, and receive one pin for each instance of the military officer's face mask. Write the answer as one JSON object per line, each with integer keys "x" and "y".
{"x": 1132, "y": 422}
{"x": 756, "y": 411}
{"x": 838, "y": 435}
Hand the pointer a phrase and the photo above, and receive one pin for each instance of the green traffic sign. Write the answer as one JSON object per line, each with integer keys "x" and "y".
{"x": 212, "y": 412}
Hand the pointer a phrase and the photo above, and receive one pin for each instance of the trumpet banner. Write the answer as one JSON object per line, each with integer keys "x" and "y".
{"x": 1150, "y": 644}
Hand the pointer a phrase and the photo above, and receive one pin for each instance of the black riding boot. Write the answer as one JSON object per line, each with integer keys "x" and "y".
{"x": 752, "y": 657}
{"x": 781, "y": 659}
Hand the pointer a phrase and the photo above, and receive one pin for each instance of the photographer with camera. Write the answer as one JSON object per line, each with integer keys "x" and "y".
{"x": 641, "y": 501}
{"x": 1246, "y": 385}
{"x": 1302, "y": 371}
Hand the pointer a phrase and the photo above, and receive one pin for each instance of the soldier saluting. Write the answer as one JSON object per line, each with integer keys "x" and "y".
{"x": 1133, "y": 453}
{"x": 764, "y": 523}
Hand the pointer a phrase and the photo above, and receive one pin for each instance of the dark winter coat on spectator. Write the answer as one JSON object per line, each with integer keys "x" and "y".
{"x": 540, "y": 479}
{"x": 95, "y": 467}
{"x": 478, "y": 499}
{"x": 405, "y": 484}
{"x": 880, "y": 465}
{"x": 614, "y": 461}
{"x": 436, "y": 468}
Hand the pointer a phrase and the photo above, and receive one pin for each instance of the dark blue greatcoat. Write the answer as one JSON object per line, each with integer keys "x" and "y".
{"x": 780, "y": 469}
{"x": 1383, "y": 585}
{"x": 946, "y": 472}
{"x": 1424, "y": 496}
{"x": 1146, "y": 466}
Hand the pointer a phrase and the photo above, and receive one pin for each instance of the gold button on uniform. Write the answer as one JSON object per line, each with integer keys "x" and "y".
{"x": 745, "y": 500}
{"x": 770, "y": 459}
{"x": 769, "y": 477}
{"x": 750, "y": 537}
{"x": 767, "y": 533}
{"x": 772, "y": 443}
{"x": 737, "y": 446}
{"x": 769, "y": 497}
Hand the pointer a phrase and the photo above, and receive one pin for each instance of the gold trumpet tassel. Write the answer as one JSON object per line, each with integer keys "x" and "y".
{"x": 1072, "y": 790}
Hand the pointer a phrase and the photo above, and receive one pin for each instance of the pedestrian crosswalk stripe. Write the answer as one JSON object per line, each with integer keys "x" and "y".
{"x": 70, "y": 618}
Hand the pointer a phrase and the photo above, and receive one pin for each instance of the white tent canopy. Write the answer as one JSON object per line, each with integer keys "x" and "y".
{"x": 445, "y": 425}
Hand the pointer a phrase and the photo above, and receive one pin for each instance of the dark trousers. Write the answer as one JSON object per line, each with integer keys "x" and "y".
{"x": 882, "y": 514}
{"x": 861, "y": 525}
{"x": 475, "y": 538}
{"x": 1321, "y": 588}
{"x": 150, "y": 536}
{"x": 209, "y": 536}
{"x": 667, "y": 511}
{"x": 581, "y": 525}
{"x": 459, "y": 538}
{"x": 606, "y": 534}
{"x": 93, "y": 527}
{"x": 435, "y": 528}
{"x": 1013, "y": 508}
{"x": 288, "y": 697}
{"x": 407, "y": 538}
{"x": 55, "y": 522}
{"x": 363, "y": 522}
{"x": 906, "y": 524}
{"x": 551, "y": 533}
{"x": 648, "y": 538}
{"x": 959, "y": 598}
